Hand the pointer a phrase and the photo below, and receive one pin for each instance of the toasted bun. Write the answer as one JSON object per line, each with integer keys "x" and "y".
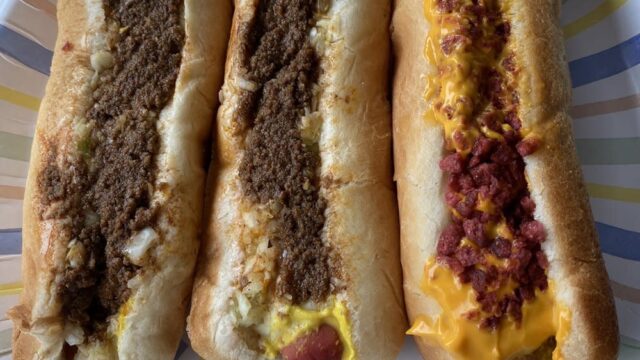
{"x": 361, "y": 220}
{"x": 154, "y": 322}
{"x": 553, "y": 171}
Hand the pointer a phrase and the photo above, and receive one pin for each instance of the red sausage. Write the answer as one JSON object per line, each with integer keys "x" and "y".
{"x": 322, "y": 344}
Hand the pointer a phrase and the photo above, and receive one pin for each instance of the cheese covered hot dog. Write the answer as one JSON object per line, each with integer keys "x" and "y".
{"x": 499, "y": 250}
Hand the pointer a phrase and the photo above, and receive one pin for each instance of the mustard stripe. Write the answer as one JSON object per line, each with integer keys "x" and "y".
{"x": 605, "y": 107}
{"x": 15, "y": 147}
{"x": 18, "y": 98}
{"x": 613, "y": 193}
{"x": 596, "y": 15}
{"x": 625, "y": 292}
{"x": 10, "y": 289}
{"x": 11, "y": 192}
{"x": 42, "y": 5}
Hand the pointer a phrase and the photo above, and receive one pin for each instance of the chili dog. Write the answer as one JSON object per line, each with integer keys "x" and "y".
{"x": 114, "y": 193}
{"x": 499, "y": 250}
{"x": 300, "y": 259}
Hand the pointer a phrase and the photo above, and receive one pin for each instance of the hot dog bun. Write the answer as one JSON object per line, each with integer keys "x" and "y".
{"x": 584, "y": 317}
{"x": 358, "y": 304}
{"x": 97, "y": 43}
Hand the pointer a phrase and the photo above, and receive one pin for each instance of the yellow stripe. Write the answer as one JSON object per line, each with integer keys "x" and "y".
{"x": 10, "y": 289}
{"x": 18, "y": 98}
{"x": 597, "y": 14}
{"x": 614, "y": 193}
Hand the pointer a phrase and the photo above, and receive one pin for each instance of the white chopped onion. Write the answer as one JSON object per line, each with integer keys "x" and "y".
{"x": 245, "y": 84}
{"x": 139, "y": 244}
{"x": 73, "y": 335}
{"x": 243, "y": 305}
{"x": 101, "y": 60}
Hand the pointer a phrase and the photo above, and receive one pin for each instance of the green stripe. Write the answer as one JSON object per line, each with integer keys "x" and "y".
{"x": 15, "y": 147}
{"x": 614, "y": 192}
{"x": 623, "y": 151}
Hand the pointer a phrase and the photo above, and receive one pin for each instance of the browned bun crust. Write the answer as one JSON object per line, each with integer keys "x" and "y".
{"x": 361, "y": 218}
{"x": 553, "y": 171}
{"x": 154, "y": 321}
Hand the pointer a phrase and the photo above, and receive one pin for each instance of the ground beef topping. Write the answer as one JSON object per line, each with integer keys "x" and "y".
{"x": 493, "y": 241}
{"x": 277, "y": 166}
{"x": 106, "y": 192}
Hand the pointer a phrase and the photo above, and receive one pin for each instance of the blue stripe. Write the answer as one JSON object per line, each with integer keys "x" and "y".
{"x": 10, "y": 241}
{"x": 182, "y": 347}
{"x": 25, "y": 50}
{"x": 619, "y": 242}
{"x": 605, "y": 63}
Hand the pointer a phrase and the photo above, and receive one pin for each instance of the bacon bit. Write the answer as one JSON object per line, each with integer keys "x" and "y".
{"x": 509, "y": 64}
{"x": 452, "y": 164}
{"x": 512, "y": 119}
{"x": 533, "y": 231}
{"x": 543, "y": 262}
{"x": 452, "y": 263}
{"x": 468, "y": 256}
{"x": 450, "y": 239}
{"x": 474, "y": 230}
{"x": 450, "y": 41}
{"x": 527, "y": 205}
{"x": 490, "y": 323}
{"x": 528, "y": 146}
{"x": 447, "y": 6}
{"x": 501, "y": 247}
{"x": 482, "y": 147}
{"x": 466, "y": 207}
{"x": 67, "y": 46}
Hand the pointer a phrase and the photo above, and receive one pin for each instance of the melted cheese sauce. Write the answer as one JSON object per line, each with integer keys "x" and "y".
{"x": 452, "y": 330}
{"x": 292, "y": 322}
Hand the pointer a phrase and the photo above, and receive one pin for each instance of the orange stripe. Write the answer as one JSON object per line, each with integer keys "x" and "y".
{"x": 11, "y": 192}
{"x": 42, "y": 5}
{"x": 624, "y": 292}
{"x": 605, "y": 107}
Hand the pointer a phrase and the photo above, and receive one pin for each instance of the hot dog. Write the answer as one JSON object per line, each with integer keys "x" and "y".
{"x": 114, "y": 194}
{"x": 300, "y": 259}
{"x": 499, "y": 250}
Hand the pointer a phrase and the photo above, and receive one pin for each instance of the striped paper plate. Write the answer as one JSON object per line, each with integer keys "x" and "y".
{"x": 603, "y": 48}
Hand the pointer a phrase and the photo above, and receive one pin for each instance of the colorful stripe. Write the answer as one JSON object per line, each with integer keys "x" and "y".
{"x": 596, "y": 15}
{"x": 10, "y": 241}
{"x": 18, "y": 98}
{"x": 10, "y": 289}
{"x": 25, "y": 50}
{"x": 42, "y": 5}
{"x": 11, "y": 192}
{"x": 605, "y": 107}
{"x": 624, "y": 292}
{"x": 614, "y": 193}
{"x": 15, "y": 147}
{"x": 605, "y": 63}
{"x": 619, "y": 242}
{"x": 609, "y": 151}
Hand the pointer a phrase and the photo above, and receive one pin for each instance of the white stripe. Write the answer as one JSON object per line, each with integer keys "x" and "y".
{"x": 22, "y": 79}
{"x": 628, "y": 318}
{"x": 627, "y": 176}
{"x": 17, "y": 120}
{"x": 13, "y": 181}
{"x": 614, "y": 87}
{"x": 30, "y": 23}
{"x": 622, "y": 270}
{"x": 573, "y": 10}
{"x": 623, "y": 24}
{"x": 616, "y": 213}
{"x": 10, "y": 269}
{"x": 622, "y": 124}
{"x": 12, "y": 213}
{"x": 14, "y": 168}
